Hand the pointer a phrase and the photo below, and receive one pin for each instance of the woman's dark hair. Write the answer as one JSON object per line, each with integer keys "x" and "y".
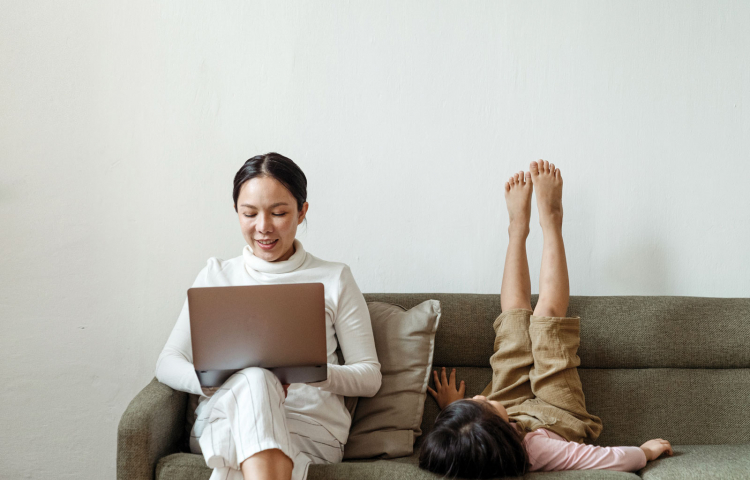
{"x": 278, "y": 167}
{"x": 470, "y": 440}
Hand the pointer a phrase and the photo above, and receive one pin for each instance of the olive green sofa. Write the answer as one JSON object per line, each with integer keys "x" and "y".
{"x": 652, "y": 367}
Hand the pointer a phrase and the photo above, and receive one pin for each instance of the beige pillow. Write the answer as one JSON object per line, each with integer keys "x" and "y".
{"x": 388, "y": 423}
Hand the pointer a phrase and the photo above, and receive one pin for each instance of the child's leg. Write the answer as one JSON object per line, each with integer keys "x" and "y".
{"x": 513, "y": 359}
{"x": 555, "y": 337}
{"x": 515, "y": 291}
{"x": 554, "y": 290}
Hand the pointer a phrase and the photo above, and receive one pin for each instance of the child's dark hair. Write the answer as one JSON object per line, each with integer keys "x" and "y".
{"x": 470, "y": 440}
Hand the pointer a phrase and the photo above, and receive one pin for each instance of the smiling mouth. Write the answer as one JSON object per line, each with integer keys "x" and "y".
{"x": 267, "y": 244}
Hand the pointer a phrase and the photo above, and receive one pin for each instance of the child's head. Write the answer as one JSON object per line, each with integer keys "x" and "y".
{"x": 471, "y": 440}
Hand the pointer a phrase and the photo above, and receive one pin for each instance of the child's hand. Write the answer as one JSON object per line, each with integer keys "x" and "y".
{"x": 446, "y": 390}
{"x": 654, "y": 448}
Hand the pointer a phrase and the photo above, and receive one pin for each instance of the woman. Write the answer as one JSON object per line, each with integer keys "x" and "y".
{"x": 253, "y": 426}
{"x": 534, "y": 418}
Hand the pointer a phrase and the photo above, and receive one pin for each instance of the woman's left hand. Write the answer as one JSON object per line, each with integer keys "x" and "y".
{"x": 446, "y": 391}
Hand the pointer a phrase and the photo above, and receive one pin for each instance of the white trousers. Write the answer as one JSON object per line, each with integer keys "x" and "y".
{"x": 247, "y": 415}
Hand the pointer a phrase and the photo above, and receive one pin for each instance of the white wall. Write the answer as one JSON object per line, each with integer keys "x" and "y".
{"x": 122, "y": 125}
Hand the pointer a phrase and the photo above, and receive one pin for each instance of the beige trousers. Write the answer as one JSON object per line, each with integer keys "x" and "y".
{"x": 247, "y": 415}
{"x": 534, "y": 374}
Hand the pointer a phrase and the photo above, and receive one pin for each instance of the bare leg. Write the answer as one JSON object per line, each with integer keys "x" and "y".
{"x": 554, "y": 289}
{"x": 270, "y": 464}
{"x": 516, "y": 288}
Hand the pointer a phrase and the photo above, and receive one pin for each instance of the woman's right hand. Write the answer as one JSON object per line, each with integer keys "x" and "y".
{"x": 654, "y": 448}
{"x": 208, "y": 391}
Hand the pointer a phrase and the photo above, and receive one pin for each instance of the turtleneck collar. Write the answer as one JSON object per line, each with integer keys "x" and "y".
{"x": 259, "y": 265}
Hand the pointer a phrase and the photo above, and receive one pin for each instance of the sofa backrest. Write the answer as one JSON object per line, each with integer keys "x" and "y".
{"x": 676, "y": 368}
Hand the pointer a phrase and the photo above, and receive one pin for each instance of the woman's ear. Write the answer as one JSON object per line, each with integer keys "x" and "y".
{"x": 302, "y": 213}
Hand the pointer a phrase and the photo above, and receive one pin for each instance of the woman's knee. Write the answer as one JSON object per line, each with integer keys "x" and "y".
{"x": 252, "y": 375}
{"x": 253, "y": 372}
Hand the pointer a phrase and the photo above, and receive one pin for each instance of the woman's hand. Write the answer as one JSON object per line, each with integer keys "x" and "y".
{"x": 208, "y": 391}
{"x": 654, "y": 448}
{"x": 447, "y": 392}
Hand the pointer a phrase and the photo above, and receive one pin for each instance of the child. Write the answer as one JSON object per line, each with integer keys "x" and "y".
{"x": 533, "y": 416}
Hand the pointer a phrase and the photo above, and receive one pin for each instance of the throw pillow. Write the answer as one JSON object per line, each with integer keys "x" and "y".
{"x": 388, "y": 424}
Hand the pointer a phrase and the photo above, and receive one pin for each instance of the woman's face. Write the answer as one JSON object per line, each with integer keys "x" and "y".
{"x": 496, "y": 405}
{"x": 268, "y": 218}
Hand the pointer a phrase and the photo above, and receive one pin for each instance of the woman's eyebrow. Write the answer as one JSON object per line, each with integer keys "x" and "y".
{"x": 272, "y": 206}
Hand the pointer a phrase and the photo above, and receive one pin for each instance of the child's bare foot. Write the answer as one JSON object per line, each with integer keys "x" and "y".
{"x": 548, "y": 186}
{"x": 518, "y": 198}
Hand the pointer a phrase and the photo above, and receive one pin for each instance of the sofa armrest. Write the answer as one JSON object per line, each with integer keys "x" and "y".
{"x": 150, "y": 428}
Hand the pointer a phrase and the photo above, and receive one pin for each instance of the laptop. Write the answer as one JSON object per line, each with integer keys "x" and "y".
{"x": 277, "y": 327}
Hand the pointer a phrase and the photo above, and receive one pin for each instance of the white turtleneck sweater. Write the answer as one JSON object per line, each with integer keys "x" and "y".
{"x": 347, "y": 319}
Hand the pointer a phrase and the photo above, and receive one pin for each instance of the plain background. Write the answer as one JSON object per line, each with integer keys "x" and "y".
{"x": 122, "y": 125}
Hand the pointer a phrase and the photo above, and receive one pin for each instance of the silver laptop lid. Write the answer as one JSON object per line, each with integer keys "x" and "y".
{"x": 266, "y": 326}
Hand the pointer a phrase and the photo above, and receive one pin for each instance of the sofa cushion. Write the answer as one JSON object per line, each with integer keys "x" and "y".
{"x": 705, "y": 462}
{"x": 687, "y": 406}
{"x": 582, "y": 474}
{"x": 388, "y": 423}
{"x": 370, "y": 470}
{"x": 189, "y": 466}
{"x": 616, "y": 332}
{"x": 392, "y": 467}
{"x": 182, "y": 466}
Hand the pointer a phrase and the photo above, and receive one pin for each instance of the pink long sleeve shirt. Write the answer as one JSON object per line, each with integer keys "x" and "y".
{"x": 550, "y": 452}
